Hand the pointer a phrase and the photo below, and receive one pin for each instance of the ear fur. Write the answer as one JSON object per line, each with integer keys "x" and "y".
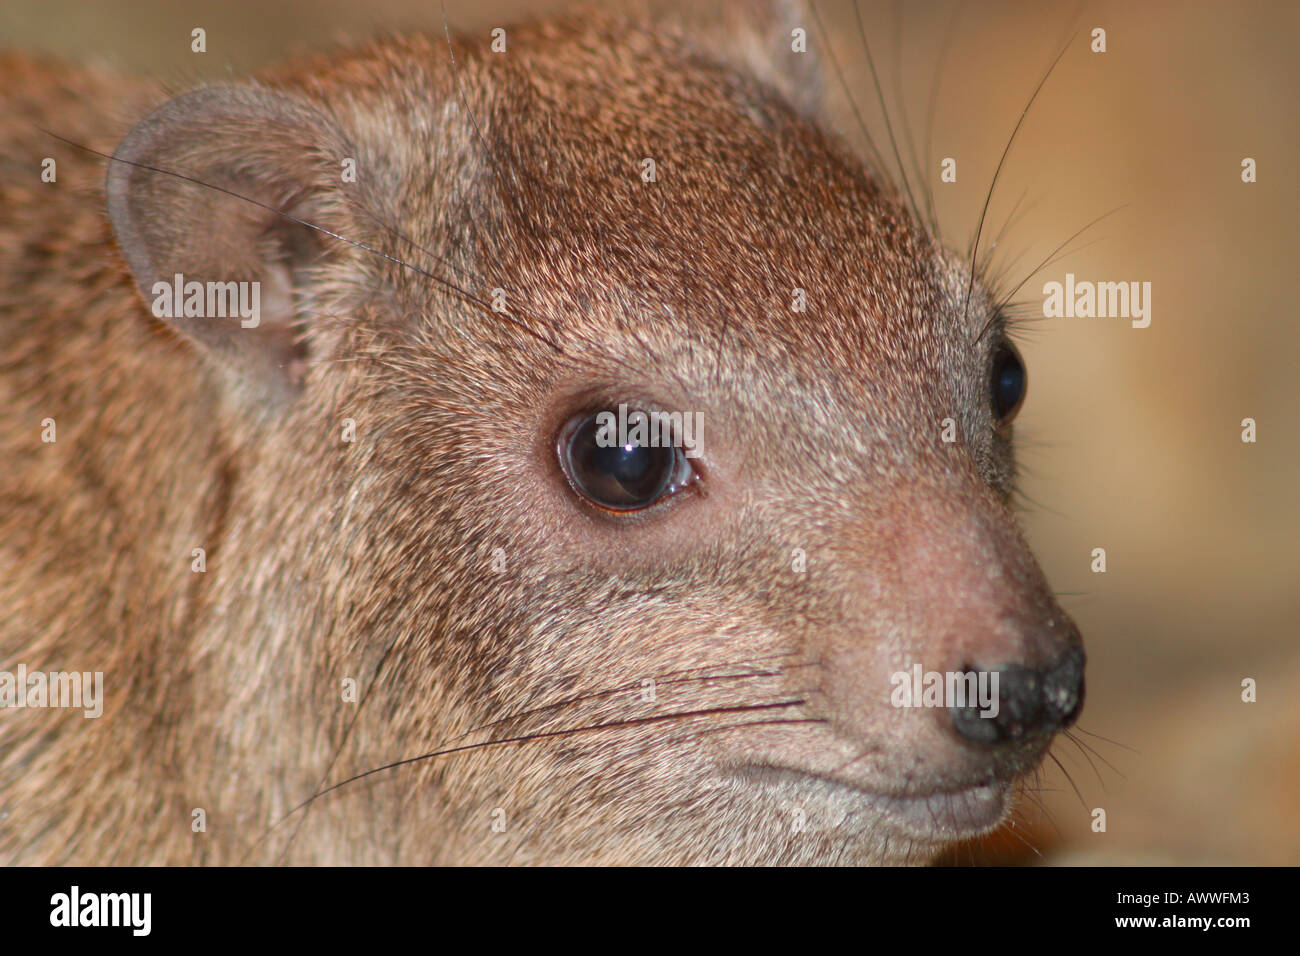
{"x": 757, "y": 37}
{"x": 196, "y": 191}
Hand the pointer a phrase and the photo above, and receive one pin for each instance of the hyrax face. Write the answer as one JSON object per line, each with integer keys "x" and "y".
{"x": 676, "y": 645}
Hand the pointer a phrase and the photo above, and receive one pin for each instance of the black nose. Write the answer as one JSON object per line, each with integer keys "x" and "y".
{"x": 1030, "y": 702}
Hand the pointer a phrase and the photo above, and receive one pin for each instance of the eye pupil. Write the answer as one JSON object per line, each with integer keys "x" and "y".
{"x": 617, "y": 477}
{"x": 1009, "y": 383}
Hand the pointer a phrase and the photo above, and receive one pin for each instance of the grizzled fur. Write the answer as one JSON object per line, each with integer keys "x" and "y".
{"x": 376, "y": 560}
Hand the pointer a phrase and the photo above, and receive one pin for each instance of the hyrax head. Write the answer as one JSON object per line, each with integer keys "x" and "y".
{"x": 700, "y": 642}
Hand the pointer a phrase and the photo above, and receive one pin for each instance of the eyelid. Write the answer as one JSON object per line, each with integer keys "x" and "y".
{"x": 687, "y": 477}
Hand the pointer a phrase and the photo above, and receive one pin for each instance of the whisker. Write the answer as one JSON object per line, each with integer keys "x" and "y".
{"x": 1108, "y": 740}
{"x": 610, "y": 692}
{"x": 439, "y": 280}
{"x": 1012, "y": 218}
{"x": 528, "y": 738}
{"x": 934, "y": 99}
{"x": 1032, "y": 308}
{"x": 997, "y": 172}
{"x": 844, "y": 84}
{"x": 1033, "y": 797}
{"x": 1077, "y": 792}
{"x": 905, "y": 122}
{"x": 1048, "y": 260}
{"x": 443, "y": 260}
{"x": 889, "y": 126}
{"x": 1013, "y": 831}
{"x": 307, "y": 809}
{"x": 1072, "y": 739}
{"x": 347, "y": 734}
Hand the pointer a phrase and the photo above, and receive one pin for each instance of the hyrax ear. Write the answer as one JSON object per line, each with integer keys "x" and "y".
{"x": 197, "y": 194}
{"x": 775, "y": 41}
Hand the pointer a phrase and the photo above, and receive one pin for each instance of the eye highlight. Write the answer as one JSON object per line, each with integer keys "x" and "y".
{"x": 619, "y": 478}
{"x": 1009, "y": 383}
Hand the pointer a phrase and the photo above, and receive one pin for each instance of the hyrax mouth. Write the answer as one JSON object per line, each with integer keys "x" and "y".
{"x": 933, "y": 815}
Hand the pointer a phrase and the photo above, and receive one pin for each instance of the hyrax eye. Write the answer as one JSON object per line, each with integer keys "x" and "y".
{"x": 1009, "y": 382}
{"x": 620, "y": 472}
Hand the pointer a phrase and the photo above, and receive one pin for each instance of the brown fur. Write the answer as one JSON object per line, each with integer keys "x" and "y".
{"x": 372, "y": 560}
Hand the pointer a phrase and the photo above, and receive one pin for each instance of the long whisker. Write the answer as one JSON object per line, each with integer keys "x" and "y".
{"x": 934, "y": 100}
{"x": 528, "y": 738}
{"x": 1096, "y": 753}
{"x": 1108, "y": 740}
{"x": 1075, "y": 787}
{"x": 347, "y": 734}
{"x": 997, "y": 172}
{"x": 444, "y": 283}
{"x": 889, "y": 126}
{"x": 1033, "y": 794}
{"x": 844, "y": 84}
{"x": 1042, "y": 265}
{"x": 1072, "y": 739}
{"x": 462, "y": 271}
{"x": 570, "y": 332}
{"x": 1032, "y": 308}
{"x": 909, "y": 139}
{"x": 624, "y": 688}
{"x": 1012, "y": 218}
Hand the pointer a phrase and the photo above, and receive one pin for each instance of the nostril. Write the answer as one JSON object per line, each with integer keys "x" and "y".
{"x": 1063, "y": 687}
{"x": 1019, "y": 709}
{"x": 1029, "y": 701}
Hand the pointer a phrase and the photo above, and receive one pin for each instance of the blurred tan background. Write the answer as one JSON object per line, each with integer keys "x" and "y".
{"x": 1131, "y": 437}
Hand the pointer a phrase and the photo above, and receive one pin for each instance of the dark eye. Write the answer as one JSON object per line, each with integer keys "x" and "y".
{"x": 1009, "y": 383}
{"x": 626, "y": 477}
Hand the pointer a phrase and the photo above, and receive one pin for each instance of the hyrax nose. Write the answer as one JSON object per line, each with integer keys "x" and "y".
{"x": 1031, "y": 702}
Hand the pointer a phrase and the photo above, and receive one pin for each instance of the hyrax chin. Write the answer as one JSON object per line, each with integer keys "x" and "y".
{"x": 376, "y": 570}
